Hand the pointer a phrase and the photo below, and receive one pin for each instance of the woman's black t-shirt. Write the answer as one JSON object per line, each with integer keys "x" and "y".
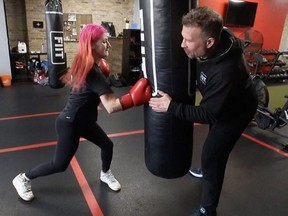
{"x": 83, "y": 104}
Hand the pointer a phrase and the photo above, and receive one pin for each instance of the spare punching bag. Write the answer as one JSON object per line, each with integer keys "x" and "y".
{"x": 168, "y": 139}
{"x": 55, "y": 42}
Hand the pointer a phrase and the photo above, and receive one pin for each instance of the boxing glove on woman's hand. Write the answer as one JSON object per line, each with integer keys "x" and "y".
{"x": 139, "y": 94}
{"x": 105, "y": 67}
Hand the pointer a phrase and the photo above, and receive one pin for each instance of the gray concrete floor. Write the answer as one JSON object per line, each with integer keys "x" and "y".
{"x": 255, "y": 183}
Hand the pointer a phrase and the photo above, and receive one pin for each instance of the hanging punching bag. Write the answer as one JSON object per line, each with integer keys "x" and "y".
{"x": 55, "y": 42}
{"x": 168, "y": 139}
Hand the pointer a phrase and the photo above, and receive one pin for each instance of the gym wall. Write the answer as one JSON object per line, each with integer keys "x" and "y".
{"x": 4, "y": 60}
{"x": 270, "y": 17}
{"x": 112, "y": 10}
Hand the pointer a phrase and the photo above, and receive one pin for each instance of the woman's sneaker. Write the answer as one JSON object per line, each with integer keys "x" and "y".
{"x": 196, "y": 172}
{"x": 23, "y": 187}
{"x": 110, "y": 180}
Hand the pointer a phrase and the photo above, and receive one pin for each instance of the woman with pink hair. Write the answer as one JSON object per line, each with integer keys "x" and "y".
{"x": 89, "y": 87}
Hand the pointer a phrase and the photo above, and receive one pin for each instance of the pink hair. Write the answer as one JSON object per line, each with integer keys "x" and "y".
{"x": 84, "y": 60}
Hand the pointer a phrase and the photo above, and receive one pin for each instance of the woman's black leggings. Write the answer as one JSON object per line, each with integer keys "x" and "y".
{"x": 69, "y": 134}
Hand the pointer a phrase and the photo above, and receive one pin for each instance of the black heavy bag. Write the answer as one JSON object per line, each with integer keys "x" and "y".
{"x": 55, "y": 42}
{"x": 168, "y": 140}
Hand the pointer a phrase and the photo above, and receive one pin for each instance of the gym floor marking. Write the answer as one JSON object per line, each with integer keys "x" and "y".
{"x": 85, "y": 188}
{"x": 264, "y": 144}
{"x": 29, "y": 116}
{"x": 33, "y": 115}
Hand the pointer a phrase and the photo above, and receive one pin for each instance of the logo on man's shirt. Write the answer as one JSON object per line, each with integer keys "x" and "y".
{"x": 203, "y": 78}
{"x": 202, "y": 210}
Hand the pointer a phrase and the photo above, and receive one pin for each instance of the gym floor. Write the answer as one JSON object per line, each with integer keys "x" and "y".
{"x": 256, "y": 181}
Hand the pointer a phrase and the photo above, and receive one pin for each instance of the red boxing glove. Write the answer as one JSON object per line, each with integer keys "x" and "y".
{"x": 139, "y": 94}
{"x": 105, "y": 67}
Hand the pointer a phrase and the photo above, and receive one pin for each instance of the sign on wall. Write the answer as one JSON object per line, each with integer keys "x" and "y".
{"x": 73, "y": 23}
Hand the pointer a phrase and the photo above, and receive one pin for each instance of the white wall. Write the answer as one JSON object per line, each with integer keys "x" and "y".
{"x": 136, "y": 15}
{"x": 284, "y": 40}
{"x": 4, "y": 47}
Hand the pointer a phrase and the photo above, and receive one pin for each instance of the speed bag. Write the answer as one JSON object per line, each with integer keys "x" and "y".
{"x": 168, "y": 139}
{"x": 55, "y": 43}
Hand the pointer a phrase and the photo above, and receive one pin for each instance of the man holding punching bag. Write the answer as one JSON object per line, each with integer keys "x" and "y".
{"x": 229, "y": 97}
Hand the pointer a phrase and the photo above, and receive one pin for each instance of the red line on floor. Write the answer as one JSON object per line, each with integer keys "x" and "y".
{"x": 86, "y": 190}
{"x": 29, "y": 116}
{"x": 266, "y": 145}
{"x": 126, "y": 133}
{"x": 41, "y": 145}
{"x": 33, "y": 146}
{"x": 259, "y": 142}
{"x": 34, "y": 115}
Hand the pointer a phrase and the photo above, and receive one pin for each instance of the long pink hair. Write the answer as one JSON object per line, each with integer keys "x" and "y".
{"x": 84, "y": 60}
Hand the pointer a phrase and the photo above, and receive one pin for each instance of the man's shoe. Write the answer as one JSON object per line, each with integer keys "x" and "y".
{"x": 196, "y": 172}
{"x": 110, "y": 180}
{"x": 23, "y": 187}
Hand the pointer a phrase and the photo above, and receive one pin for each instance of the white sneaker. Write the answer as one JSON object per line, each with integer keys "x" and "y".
{"x": 23, "y": 187}
{"x": 110, "y": 180}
